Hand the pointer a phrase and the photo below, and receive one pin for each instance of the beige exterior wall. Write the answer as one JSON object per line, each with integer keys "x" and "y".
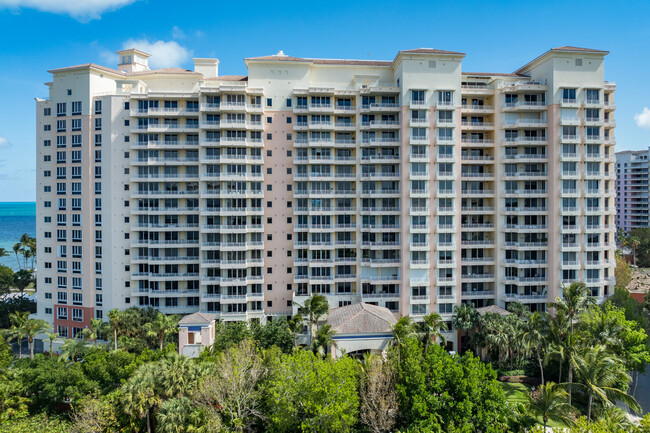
{"x": 474, "y": 241}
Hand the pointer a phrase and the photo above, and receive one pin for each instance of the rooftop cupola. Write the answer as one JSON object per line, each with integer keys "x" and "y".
{"x": 133, "y": 60}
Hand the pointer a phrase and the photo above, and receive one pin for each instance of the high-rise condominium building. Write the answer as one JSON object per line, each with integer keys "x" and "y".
{"x": 632, "y": 182}
{"x": 409, "y": 183}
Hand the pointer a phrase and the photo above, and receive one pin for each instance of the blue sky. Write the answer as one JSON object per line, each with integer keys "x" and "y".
{"x": 497, "y": 37}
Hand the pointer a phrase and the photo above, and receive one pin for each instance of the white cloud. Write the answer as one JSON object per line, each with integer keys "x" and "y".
{"x": 4, "y": 143}
{"x": 110, "y": 58}
{"x": 178, "y": 33}
{"x": 163, "y": 54}
{"x": 84, "y": 10}
{"x": 643, "y": 119}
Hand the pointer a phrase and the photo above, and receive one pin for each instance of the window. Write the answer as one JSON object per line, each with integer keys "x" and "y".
{"x": 77, "y": 299}
{"x": 76, "y": 108}
{"x": 77, "y": 314}
{"x": 62, "y": 314}
{"x": 61, "y": 297}
{"x": 288, "y": 104}
{"x": 61, "y": 141}
{"x": 445, "y": 97}
{"x": 569, "y": 95}
{"x": 98, "y": 156}
{"x": 592, "y": 96}
{"x": 98, "y": 107}
{"x": 418, "y": 96}
{"x": 98, "y": 124}
{"x": 47, "y": 111}
{"x": 75, "y": 125}
{"x": 98, "y": 139}
{"x": 269, "y": 102}
{"x": 61, "y": 109}
{"x": 76, "y": 140}
{"x": 60, "y": 125}
{"x": 99, "y": 299}
{"x": 47, "y": 143}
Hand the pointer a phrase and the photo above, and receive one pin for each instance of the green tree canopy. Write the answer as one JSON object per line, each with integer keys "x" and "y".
{"x": 307, "y": 393}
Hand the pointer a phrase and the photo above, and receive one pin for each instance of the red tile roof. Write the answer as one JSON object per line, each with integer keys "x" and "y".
{"x": 586, "y": 50}
{"x": 494, "y": 74}
{"x": 85, "y": 66}
{"x": 430, "y": 51}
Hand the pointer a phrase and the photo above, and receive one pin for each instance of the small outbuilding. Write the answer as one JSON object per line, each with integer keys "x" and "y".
{"x": 195, "y": 333}
{"x": 361, "y": 328}
{"x": 494, "y": 309}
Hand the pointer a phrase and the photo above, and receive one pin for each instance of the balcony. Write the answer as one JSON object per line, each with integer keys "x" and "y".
{"x": 477, "y": 293}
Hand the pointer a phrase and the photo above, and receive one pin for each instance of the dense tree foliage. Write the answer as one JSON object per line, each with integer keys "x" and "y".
{"x": 440, "y": 392}
{"x": 254, "y": 379}
{"x": 12, "y": 305}
{"x": 307, "y": 393}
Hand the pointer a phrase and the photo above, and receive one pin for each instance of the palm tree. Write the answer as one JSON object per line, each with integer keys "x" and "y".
{"x": 518, "y": 309}
{"x": 32, "y": 328}
{"x": 161, "y": 326}
{"x": 599, "y": 372}
{"x": 29, "y": 246}
{"x": 634, "y": 243}
{"x": 295, "y": 325}
{"x": 550, "y": 402}
{"x": 575, "y": 299}
{"x": 534, "y": 336}
{"x": 18, "y": 249}
{"x": 324, "y": 339}
{"x": 92, "y": 333}
{"x": 140, "y": 393}
{"x": 51, "y": 337}
{"x": 431, "y": 328}
{"x": 17, "y": 330}
{"x": 73, "y": 349}
{"x": 402, "y": 331}
{"x": 3, "y": 253}
{"x": 614, "y": 419}
{"x": 314, "y": 308}
{"x": 464, "y": 318}
{"x": 115, "y": 317}
{"x": 22, "y": 279}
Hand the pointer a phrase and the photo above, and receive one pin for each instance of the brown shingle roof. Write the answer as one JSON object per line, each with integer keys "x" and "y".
{"x": 360, "y": 319}
{"x": 492, "y": 309}
{"x": 197, "y": 318}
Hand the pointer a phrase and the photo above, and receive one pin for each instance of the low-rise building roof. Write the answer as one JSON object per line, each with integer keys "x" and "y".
{"x": 361, "y": 319}
{"x": 197, "y": 318}
{"x": 494, "y": 309}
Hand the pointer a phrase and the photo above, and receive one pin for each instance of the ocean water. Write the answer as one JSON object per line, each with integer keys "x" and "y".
{"x": 15, "y": 219}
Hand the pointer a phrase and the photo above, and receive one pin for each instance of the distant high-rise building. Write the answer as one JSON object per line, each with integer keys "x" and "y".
{"x": 409, "y": 184}
{"x": 632, "y": 182}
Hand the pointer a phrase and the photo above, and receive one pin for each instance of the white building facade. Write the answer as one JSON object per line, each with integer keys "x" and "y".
{"x": 408, "y": 184}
